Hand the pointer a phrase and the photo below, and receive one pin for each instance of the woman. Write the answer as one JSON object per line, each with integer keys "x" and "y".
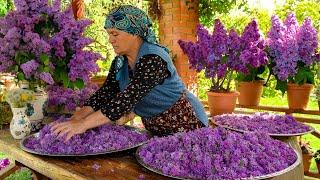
{"x": 142, "y": 80}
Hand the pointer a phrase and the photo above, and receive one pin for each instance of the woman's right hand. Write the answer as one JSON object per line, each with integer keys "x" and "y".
{"x": 82, "y": 113}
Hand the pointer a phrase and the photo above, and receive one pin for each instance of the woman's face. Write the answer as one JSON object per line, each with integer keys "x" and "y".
{"x": 121, "y": 41}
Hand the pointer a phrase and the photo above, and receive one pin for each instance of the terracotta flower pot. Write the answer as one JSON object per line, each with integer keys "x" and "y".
{"x": 306, "y": 159}
{"x": 298, "y": 95}
{"x": 220, "y": 103}
{"x": 250, "y": 93}
{"x": 318, "y": 166}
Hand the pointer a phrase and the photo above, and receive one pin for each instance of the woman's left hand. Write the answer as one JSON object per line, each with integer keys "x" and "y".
{"x": 69, "y": 129}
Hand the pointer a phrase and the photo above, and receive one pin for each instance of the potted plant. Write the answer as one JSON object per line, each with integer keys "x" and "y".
{"x": 292, "y": 50}
{"x": 214, "y": 54}
{"x": 306, "y": 155}
{"x": 45, "y": 46}
{"x": 317, "y": 159}
{"x": 252, "y": 63}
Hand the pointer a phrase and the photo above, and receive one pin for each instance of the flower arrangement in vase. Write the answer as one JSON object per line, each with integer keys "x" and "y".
{"x": 293, "y": 53}
{"x": 46, "y": 46}
{"x": 215, "y": 54}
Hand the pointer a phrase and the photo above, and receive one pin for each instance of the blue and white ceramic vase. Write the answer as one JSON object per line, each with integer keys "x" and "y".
{"x": 20, "y": 124}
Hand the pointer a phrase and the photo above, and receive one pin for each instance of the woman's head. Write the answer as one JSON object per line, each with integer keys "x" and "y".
{"x": 127, "y": 25}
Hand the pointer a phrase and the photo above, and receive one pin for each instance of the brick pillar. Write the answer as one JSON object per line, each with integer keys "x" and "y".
{"x": 178, "y": 21}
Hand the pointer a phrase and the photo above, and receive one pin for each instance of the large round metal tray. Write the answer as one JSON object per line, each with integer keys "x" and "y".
{"x": 141, "y": 131}
{"x": 270, "y": 134}
{"x": 291, "y": 167}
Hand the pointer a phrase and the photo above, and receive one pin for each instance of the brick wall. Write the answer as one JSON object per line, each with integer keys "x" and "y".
{"x": 178, "y": 21}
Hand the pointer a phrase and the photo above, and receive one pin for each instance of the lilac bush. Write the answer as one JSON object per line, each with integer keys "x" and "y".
{"x": 210, "y": 53}
{"x": 222, "y": 53}
{"x": 253, "y": 58}
{"x": 269, "y": 123}
{"x": 209, "y": 153}
{"x": 45, "y": 45}
{"x": 98, "y": 140}
{"x": 293, "y": 51}
{"x": 4, "y": 163}
{"x": 66, "y": 99}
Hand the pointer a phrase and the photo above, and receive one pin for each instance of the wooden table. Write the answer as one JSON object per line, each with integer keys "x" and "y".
{"x": 113, "y": 166}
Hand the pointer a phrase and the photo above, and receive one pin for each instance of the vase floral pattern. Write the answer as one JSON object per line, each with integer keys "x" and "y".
{"x": 20, "y": 124}
{"x": 35, "y": 111}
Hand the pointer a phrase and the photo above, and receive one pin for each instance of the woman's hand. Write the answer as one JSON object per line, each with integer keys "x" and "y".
{"x": 126, "y": 118}
{"x": 69, "y": 128}
{"x": 78, "y": 126}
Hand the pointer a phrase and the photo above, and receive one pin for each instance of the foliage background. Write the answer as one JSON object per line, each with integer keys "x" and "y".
{"x": 233, "y": 13}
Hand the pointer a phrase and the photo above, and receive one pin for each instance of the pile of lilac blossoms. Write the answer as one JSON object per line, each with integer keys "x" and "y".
{"x": 4, "y": 163}
{"x": 264, "y": 122}
{"x": 98, "y": 140}
{"x": 290, "y": 45}
{"x": 41, "y": 43}
{"x": 208, "y": 153}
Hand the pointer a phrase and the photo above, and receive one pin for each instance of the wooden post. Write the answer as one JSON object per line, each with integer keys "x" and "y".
{"x": 178, "y": 21}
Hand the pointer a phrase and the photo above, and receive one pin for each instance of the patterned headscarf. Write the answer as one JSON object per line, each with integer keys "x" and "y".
{"x": 133, "y": 21}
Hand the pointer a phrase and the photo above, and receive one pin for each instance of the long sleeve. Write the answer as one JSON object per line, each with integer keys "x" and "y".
{"x": 108, "y": 90}
{"x": 150, "y": 71}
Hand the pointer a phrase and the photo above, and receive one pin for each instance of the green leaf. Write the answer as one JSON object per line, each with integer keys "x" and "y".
{"x": 46, "y": 69}
{"x": 79, "y": 83}
{"x": 225, "y": 59}
{"x": 282, "y": 86}
{"x": 45, "y": 59}
{"x": 21, "y": 57}
{"x": 65, "y": 79}
{"x": 20, "y": 76}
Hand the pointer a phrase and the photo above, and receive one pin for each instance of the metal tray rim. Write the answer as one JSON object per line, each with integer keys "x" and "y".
{"x": 270, "y": 134}
{"x": 141, "y": 131}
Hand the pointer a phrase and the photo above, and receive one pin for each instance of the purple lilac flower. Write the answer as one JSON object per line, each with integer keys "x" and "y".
{"x": 82, "y": 65}
{"x": 96, "y": 166}
{"x": 4, "y": 163}
{"x": 207, "y": 53}
{"x": 102, "y": 139}
{"x": 29, "y": 68}
{"x": 46, "y": 77}
{"x": 289, "y": 44}
{"x": 20, "y": 33}
{"x": 68, "y": 98}
{"x": 269, "y": 123}
{"x": 307, "y": 40}
{"x": 141, "y": 177}
{"x": 252, "y": 52}
{"x": 209, "y": 153}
